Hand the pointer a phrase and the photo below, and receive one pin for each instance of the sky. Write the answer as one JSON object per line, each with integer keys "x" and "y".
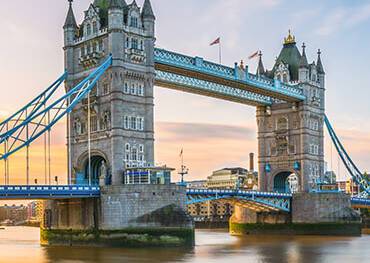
{"x": 213, "y": 133}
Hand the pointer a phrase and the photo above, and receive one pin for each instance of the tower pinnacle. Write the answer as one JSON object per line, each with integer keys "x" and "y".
{"x": 147, "y": 10}
{"x": 303, "y": 61}
{"x": 70, "y": 20}
{"x": 320, "y": 68}
{"x": 290, "y": 39}
{"x": 260, "y": 68}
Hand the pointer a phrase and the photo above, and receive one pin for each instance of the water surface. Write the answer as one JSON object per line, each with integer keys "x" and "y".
{"x": 21, "y": 244}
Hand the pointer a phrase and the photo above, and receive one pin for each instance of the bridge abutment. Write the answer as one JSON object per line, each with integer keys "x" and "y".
{"x": 311, "y": 214}
{"x": 134, "y": 215}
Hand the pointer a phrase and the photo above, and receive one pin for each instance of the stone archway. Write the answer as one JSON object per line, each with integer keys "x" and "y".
{"x": 96, "y": 165}
{"x": 96, "y": 162}
{"x": 281, "y": 183}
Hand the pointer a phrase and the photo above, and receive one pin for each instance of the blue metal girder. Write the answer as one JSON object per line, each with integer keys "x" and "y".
{"x": 17, "y": 192}
{"x": 277, "y": 201}
{"x": 185, "y": 65}
{"x": 202, "y": 87}
{"x": 360, "y": 201}
{"x": 35, "y": 125}
{"x": 12, "y": 123}
{"x": 355, "y": 173}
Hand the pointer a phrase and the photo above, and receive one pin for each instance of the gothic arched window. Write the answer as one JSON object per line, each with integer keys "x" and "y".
{"x": 95, "y": 27}
{"x": 88, "y": 29}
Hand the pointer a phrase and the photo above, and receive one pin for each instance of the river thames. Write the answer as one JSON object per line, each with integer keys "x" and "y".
{"x": 21, "y": 244}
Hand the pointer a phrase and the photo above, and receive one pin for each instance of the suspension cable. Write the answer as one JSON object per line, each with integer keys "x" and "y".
{"x": 89, "y": 135}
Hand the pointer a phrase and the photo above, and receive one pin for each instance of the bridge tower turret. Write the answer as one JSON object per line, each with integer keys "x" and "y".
{"x": 291, "y": 135}
{"x": 70, "y": 31}
{"x": 121, "y": 105}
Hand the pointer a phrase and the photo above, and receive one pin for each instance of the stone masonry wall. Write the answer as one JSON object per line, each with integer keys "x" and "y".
{"x": 143, "y": 206}
{"x": 322, "y": 207}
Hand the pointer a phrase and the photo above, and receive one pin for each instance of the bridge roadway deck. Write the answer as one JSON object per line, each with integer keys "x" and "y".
{"x": 277, "y": 201}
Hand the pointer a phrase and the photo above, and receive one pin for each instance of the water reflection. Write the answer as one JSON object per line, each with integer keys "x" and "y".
{"x": 22, "y": 245}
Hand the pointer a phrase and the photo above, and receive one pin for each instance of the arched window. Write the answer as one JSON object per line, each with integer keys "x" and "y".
{"x": 134, "y": 154}
{"x": 134, "y": 43}
{"x": 133, "y": 21}
{"x": 88, "y": 29}
{"x": 95, "y": 27}
{"x": 278, "y": 77}
{"x": 127, "y": 147}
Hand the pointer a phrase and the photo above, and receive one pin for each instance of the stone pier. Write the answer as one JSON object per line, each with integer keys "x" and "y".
{"x": 133, "y": 215}
{"x": 311, "y": 214}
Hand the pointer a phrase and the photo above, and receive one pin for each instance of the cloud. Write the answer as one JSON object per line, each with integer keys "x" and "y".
{"x": 343, "y": 18}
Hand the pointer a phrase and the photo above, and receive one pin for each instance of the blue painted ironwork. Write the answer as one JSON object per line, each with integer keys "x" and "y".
{"x": 9, "y": 125}
{"x": 35, "y": 125}
{"x": 197, "y": 64}
{"x": 360, "y": 201}
{"x": 274, "y": 201}
{"x": 207, "y": 87}
{"x": 48, "y": 192}
{"x": 355, "y": 173}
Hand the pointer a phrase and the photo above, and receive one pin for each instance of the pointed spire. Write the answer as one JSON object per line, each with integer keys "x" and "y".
{"x": 70, "y": 20}
{"x": 303, "y": 61}
{"x": 320, "y": 68}
{"x": 133, "y": 3}
{"x": 260, "y": 68}
{"x": 147, "y": 10}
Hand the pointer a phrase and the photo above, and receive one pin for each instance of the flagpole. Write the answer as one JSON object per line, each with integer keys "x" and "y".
{"x": 219, "y": 52}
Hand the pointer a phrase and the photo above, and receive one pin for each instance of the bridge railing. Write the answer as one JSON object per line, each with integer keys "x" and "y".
{"x": 48, "y": 191}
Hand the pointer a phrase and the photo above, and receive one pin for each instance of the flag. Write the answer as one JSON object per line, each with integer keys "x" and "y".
{"x": 255, "y": 54}
{"x": 181, "y": 152}
{"x": 217, "y": 41}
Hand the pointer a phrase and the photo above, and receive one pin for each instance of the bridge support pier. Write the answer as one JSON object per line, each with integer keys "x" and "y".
{"x": 311, "y": 214}
{"x": 135, "y": 215}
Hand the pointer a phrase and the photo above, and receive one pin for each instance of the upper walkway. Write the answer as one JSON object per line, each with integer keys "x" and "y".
{"x": 196, "y": 75}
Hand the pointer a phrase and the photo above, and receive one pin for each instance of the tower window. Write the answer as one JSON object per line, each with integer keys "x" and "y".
{"x": 95, "y": 28}
{"x": 127, "y": 147}
{"x": 94, "y": 123}
{"x": 134, "y": 43}
{"x": 126, "y": 122}
{"x": 133, "y": 123}
{"x": 141, "y": 148}
{"x": 127, "y": 42}
{"x": 126, "y": 89}
{"x": 88, "y": 29}
{"x": 105, "y": 89}
{"x": 133, "y": 21}
{"x": 133, "y": 89}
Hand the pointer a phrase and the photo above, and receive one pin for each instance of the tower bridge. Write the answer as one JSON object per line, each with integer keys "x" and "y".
{"x": 112, "y": 65}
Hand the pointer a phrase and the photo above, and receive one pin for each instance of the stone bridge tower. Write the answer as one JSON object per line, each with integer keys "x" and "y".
{"x": 121, "y": 105}
{"x": 291, "y": 136}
